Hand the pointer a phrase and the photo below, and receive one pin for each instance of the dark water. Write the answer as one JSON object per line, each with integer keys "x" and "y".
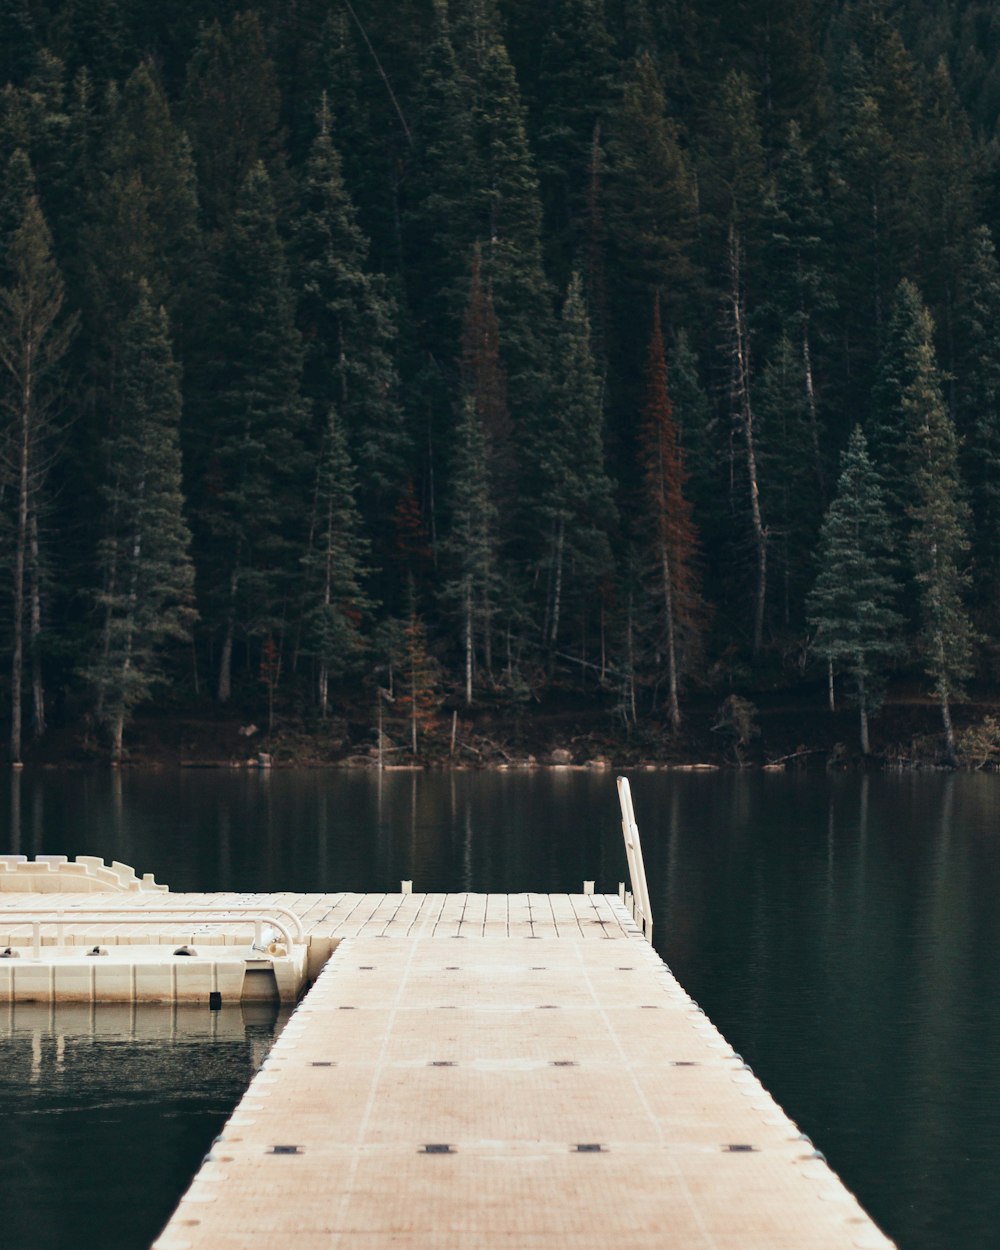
{"x": 107, "y": 1112}
{"x": 843, "y": 933}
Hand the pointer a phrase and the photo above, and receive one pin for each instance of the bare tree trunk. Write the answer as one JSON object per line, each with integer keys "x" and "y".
{"x": 829, "y": 685}
{"x": 20, "y": 549}
{"x": 744, "y": 410}
{"x": 674, "y": 706}
{"x": 34, "y": 647}
{"x": 469, "y": 638}
{"x": 324, "y": 690}
{"x": 225, "y": 686}
{"x": 811, "y": 406}
{"x": 118, "y": 730}
{"x": 630, "y": 645}
{"x": 557, "y": 586}
{"x": 863, "y": 713}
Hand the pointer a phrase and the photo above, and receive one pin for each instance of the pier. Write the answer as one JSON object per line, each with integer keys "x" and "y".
{"x": 487, "y": 1071}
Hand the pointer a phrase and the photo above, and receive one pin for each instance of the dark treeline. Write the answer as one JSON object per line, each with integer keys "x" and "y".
{"x": 383, "y": 352}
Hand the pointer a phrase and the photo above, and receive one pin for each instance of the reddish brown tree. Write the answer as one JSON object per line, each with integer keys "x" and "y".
{"x": 673, "y": 539}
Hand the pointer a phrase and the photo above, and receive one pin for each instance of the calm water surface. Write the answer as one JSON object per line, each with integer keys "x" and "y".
{"x": 842, "y": 932}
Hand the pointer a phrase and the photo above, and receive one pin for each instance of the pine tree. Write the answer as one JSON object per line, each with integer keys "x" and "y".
{"x": 232, "y": 113}
{"x": 652, "y": 196}
{"x": 573, "y": 93}
{"x": 439, "y": 220}
{"x": 852, "y": 604}
{"x": 419, "y": 696}
{"x": 348, "y": 325}
{"x": 734, "y": 188}
{"x": 250, "y": 467}
{"x": 147, "y": 593}
{"x": 470, "y": 547}
{"x": 141, "y": 219}
{"x": 673, "y": 540}
{"x": 939, "y": 542}
{"x": 907, "y": 344}
{"x": 797, "y": 300}
{"x": 565, "y": 464}
{"x": 484, "y": 380}
{"x": 977, "y": 410}
{"x": 335, "y": 602}
{"x": 34, "y": 338}
{"x": 507, "y": 207}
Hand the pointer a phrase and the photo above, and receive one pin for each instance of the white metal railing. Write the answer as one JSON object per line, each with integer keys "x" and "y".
{"x": 641, "y": 912}
{"x": 288, "y": 927}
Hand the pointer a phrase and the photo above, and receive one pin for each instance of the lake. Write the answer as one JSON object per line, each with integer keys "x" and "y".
{"x": 842, "y": 931}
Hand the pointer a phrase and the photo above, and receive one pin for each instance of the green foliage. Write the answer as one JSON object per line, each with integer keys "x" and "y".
{"x": 348, "y": 325}
{"x": 853, "y": 604}
{"x": 146, "y": 596}
{"x": 368, "y": 210}
{"x": 335, "y": 604}
{"x": 939, "y": 538}
{"x": 251, "y": 466}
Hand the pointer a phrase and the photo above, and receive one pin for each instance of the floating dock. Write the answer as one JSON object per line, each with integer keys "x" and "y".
{"x": 466, "y": 1072}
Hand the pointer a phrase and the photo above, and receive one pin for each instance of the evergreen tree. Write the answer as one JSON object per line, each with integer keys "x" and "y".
{"x": 34, "y": 337}
{"x": 348, "y": 327}
{"x": 798, "y": 300}
{"x": 573, "y": 92}
{"x": 732, "y": 162}
{"x": 440, "y": 224}
{"x": 250, "y": 458}
{"x": 852, "y": 604}
{"x": 147, "y": 578}
{"x": 232, "y": 114}
{"x": 652, "y": 198}
{"x": 572, "y": 494}
{"x": 507, "y": 208}
{"x": 419, "y": 696}
{"x": 672, "y": 541}
{"x": 977, "y": 411}
{"x": 334, "y": 568}
{"x": 470, "y": 592}
{"x": 484, "y": 380}
{"x": 907, "y": 345}
{"x": 141, "y": 219}
{"x": 939, "y": 540}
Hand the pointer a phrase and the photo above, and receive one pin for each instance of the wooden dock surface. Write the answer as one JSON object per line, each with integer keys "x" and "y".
{"x": 491, "y": 1072}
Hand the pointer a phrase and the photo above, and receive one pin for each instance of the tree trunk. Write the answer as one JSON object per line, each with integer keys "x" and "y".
{"x": 35, "y": 643}
{"x": 829, "y": 685}
{"x": 557, "y": 586}
{"x": 863, "y": 713}
{"x": 225, "y": 686}
{"x": 20, "y": 549}
{"x": 324, "y": 688}
{"x": 744, "y": 410}
{"x": 811, "y": 405}
{"x": 668, "y": 604}
{"x": 469, "y": 638}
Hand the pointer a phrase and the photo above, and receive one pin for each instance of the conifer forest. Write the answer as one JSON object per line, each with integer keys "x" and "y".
{"x": 386, "y": 361}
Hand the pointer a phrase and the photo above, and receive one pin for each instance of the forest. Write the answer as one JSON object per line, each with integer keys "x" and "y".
{"x": 397, "y": 359}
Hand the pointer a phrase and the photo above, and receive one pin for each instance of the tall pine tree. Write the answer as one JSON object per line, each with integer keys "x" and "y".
{"x": 852, "y": 605}
{"x": 672, "y": 542}
{"x": 146, "y": 598}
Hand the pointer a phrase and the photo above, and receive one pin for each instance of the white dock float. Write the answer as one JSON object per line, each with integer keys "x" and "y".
{"x": 457, "y": 1080}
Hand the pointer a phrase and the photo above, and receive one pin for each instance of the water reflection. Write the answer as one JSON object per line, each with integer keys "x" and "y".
{"x": 108, "y": 1111}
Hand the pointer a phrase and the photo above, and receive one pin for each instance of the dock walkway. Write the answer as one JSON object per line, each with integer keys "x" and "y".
{"x": 491, "y": 1072}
